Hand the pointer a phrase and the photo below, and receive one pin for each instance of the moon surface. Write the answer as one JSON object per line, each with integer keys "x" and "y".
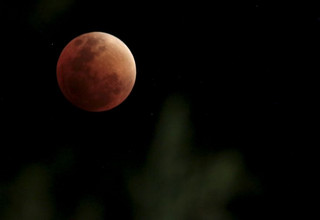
{"x": 96, "y": 71}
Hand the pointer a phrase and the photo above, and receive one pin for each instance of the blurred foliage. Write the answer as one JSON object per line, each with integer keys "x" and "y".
{"x": 29, "y": 195}
{"x": 178, "y": 184}
{"x": 45, "y": 12}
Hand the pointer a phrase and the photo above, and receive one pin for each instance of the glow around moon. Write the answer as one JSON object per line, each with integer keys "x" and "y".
{"x": 96, "y": 71}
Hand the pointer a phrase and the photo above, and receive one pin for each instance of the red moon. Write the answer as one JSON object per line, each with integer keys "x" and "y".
{"x": 96, "y": 71}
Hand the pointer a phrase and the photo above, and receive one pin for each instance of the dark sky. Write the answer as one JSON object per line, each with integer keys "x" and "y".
{"x": 247, "y": 73}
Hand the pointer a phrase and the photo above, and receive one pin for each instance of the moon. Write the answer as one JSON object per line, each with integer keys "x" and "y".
{"x": 96, "y": 71}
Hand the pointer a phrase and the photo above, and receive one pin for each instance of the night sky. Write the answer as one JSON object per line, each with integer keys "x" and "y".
{"x": 239, "y": 78}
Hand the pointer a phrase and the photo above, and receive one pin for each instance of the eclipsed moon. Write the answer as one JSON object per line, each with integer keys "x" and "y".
{"x": 96, "y": 71}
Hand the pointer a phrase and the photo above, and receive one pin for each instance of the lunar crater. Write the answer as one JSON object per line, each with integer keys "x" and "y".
{"x": 113, "y": 83}
{"x": 78, "y": 42}
{"x": 102, "y": 49}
